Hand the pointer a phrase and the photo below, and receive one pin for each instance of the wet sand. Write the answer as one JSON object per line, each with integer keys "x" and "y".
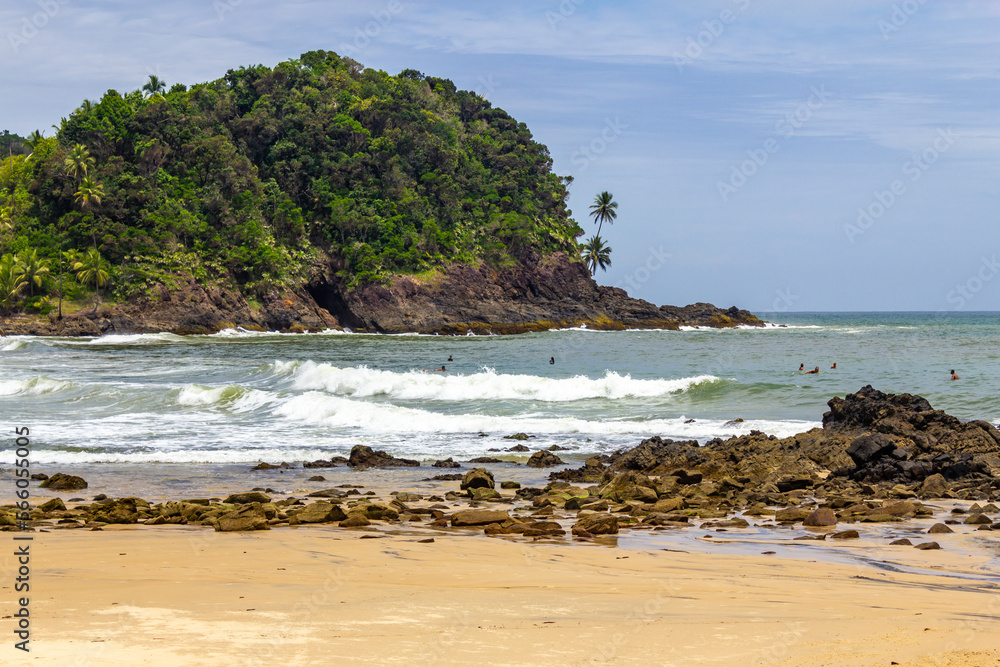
{"x": 321, "y": 596}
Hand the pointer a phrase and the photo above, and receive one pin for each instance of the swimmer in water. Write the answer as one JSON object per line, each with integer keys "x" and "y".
{"x": 814, "y": 371}
{"x": 552, "y": 360}
{"x": 953, "y": 376}
{"x": 449, "y": 358}
{"x": 802, "y": 367}
{"x": 832, "y": 368}
{"x": 436, "y": 370}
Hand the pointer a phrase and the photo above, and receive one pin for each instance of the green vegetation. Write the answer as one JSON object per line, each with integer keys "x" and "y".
{"x": 254, "y": 180}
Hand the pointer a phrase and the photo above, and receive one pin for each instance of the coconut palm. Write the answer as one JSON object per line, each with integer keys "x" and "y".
{"x": 155, "y": 86}
{"x": 92, "y": 268}
{"x": 6, "y": 223}
{"x": 595, "y": 254}
{"x": 89, "y": 196}
{"x": 33, "y": 140}
{"x": 33, "y": 268}
{"x": 11, "y": 282}
{"x": 78, "y": 162}
{"x": 604, "y": 209}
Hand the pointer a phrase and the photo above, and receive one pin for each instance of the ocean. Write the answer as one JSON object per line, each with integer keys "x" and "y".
{"x": 128, "y": 402}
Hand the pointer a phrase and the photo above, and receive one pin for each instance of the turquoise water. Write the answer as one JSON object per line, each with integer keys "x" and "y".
{"x": 239, "y": 397}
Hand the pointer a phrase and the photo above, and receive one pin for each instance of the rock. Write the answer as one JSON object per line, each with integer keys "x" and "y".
{"x": 686, "y": 477}
{"x": 510, "y": 485}
{"x": 269, "y": 466}
{"x": 846, "y": 535}
{"x": 248, "y": 497}
{"x": 518, "y": 436}
{"x": 318, "y": 513}
{"x": 939, "y": 528}
{"x": 478, "y": 478}
{"x": 544, "y": 459}
{"x": 870, "y": 448}
{"x": 596, "y": 524}
{"x": 247, "y": 518}
{"x": 630, "y": 486}
{"x": 63, "y": 482}
{"x": 791, "y": 515}
{"x": 39, "y": 476}
{"x": 319, "y": 464}
{"x": 794, "y": 483}
{"x": 934, "y": 486}
{"x": 317, "y": 478}
{"x": 447, "y": 463}
{"x": 821, "y": 517}
{"x": 478, "y": 518}
{"x": 484, "y": 494}
{"x": 363, "y": 456}
{"x": 735, "y": 522}
{"x": 355, "y": 520}
{"x": 978, "y": 520}
{"x": 928, "y": 546}
{"x": 486, "y": 459}
{"x": 53, "y": 505}
{"x": 519, "y": 448}
{"x": 901, "y": 543}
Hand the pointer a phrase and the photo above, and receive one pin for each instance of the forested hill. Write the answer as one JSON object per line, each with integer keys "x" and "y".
{"x": 313, "y": 194}
{"x": 250, "y": 177}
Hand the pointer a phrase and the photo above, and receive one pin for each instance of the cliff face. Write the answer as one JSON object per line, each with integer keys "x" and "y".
{"x": 556, "y": 292}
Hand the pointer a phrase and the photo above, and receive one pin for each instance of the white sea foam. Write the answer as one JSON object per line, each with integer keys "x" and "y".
{"x": 362, "y": 382}
{"x": 320, "y": 409}
{"x": 14, "y": 345}
{"x": 33, "y": 387}
{"x": 133, "y": 339}
{"x": 234, "y": 397}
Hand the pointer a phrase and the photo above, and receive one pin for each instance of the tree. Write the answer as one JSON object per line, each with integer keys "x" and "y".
{"x": 33, "y": 268}
{"x": 92, "y": 268}
{"x": 155, "y": 86}
{"x": 33, "y": 140}
{"x": 6, "y": 223}
{"x": 604, "y": 209}
{"x": 89, "y": 195}
{"x": 11, "y": 282}
{"x": 595, "y": 254}
{"x": 78, "y": 162}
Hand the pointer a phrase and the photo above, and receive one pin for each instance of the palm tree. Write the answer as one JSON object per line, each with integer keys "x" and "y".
{"x": 89, "y": 195}
{"x": 33, "y": 268}
{"x": 87, "y": 107}
{"x": 155, "y": 86}
{"x": 79, "y": 162}
{"x": 33, "y": 140}
{"x": 595, "y": 254}
{"x": 11, "y": 282}
{"x": 604, "y": 209}
{"x": 92, "y": 268}
{"x": 6, "y": 223}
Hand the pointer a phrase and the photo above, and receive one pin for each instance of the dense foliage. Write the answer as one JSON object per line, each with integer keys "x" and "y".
{"x": 250, "y": 179}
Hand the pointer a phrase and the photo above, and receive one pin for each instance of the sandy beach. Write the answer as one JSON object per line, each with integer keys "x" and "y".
{"x": 319, "y": 596}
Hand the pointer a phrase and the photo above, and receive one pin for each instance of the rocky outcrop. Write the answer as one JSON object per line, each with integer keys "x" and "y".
{"x": 63, "y": 482}
{"x": 540, "y": 294}
{"x": 363, "y": 456}
{"x": 898, "y": 443}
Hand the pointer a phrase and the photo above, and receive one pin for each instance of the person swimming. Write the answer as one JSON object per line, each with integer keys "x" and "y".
{"x": 832, "y": 368}
{"x": 436, "y": 370}
{"x": 814, "y": 371}
{"x": 449, "y": 358}
{"x": 953, "y": 376}
{"x": 802, "y": 367}
{"x": 552, "y": 360}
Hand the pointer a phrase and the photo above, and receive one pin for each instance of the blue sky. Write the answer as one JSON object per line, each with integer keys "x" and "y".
{"x": 778, "y": 155}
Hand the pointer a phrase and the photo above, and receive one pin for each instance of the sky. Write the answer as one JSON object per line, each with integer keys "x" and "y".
{"x": 778, "y": 155}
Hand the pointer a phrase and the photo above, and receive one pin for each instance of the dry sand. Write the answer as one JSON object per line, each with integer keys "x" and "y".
{"x": 317, "y": 596}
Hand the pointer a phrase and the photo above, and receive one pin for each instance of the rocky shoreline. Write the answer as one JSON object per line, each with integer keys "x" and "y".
{"x": 878, "y": 459}
{"x": 555, "y": 292}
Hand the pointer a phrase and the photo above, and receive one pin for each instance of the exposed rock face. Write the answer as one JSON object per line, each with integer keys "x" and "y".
{"x": 246, "y": 518}
{"x": 478, "y": 517}
{"x": 363, "y": 456}
{"x": 897, "y": 442}
{"x": 544, "y": 459}
{"x": 540, "y": 294}
{"x": 479, "y": 478}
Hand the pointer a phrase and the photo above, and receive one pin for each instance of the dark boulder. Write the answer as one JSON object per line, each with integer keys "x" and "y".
{"x": 544, "y": 459}
{"x": 63, "y": 482}
{"x": 363, "y": 456}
